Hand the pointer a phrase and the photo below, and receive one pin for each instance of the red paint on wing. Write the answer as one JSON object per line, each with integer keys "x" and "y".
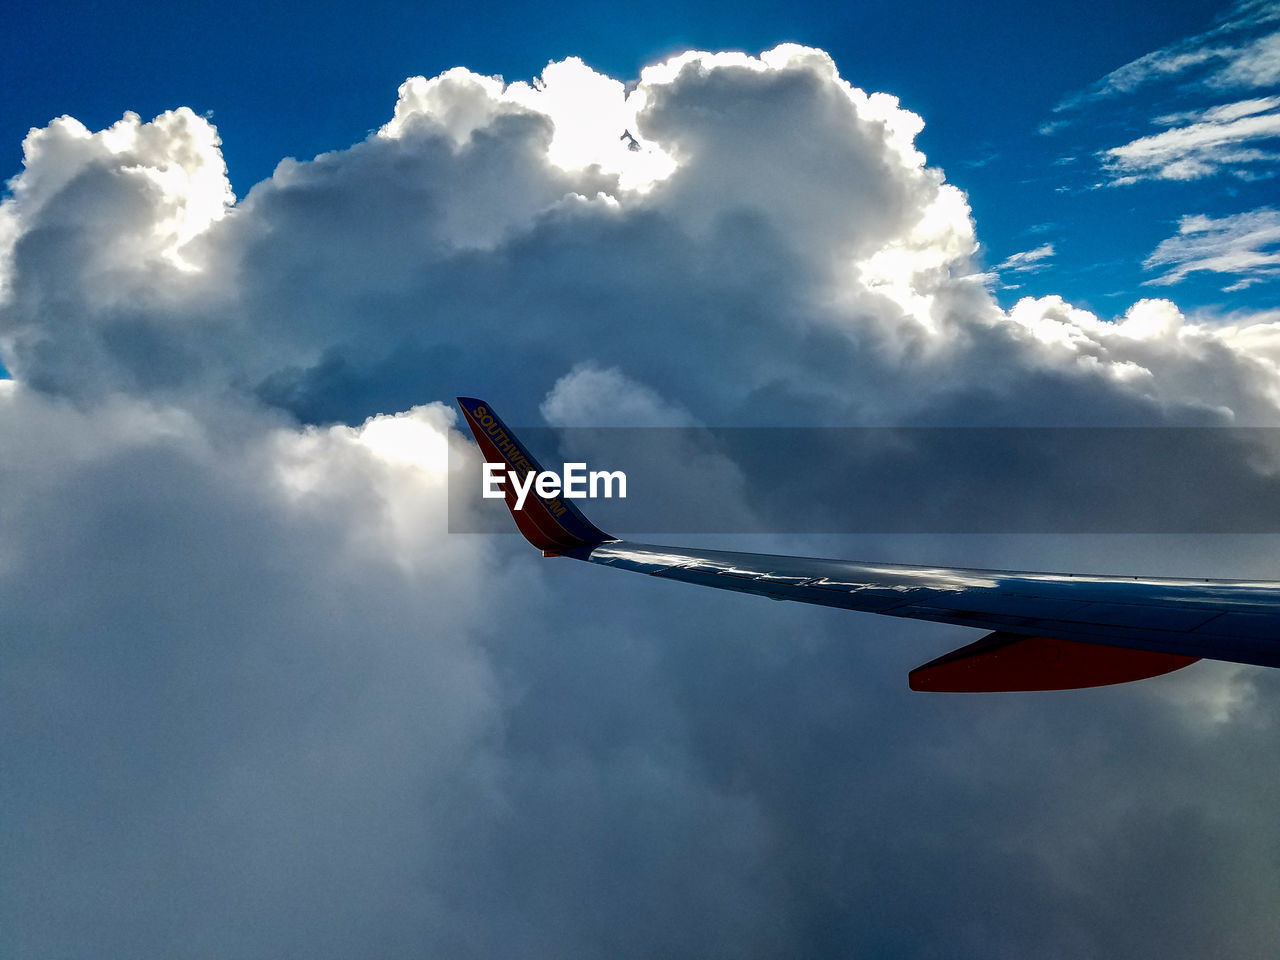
{"x": 1002, "y": 662}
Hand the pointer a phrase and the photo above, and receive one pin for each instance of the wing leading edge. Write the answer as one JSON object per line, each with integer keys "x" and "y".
{"x": 1048, "y": 631}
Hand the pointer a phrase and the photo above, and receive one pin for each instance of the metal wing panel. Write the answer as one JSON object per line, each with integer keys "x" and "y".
{"x": 1219, "y": 619}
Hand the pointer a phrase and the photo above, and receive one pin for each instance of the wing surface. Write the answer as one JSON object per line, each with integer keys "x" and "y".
{"x": 1219, "y": 619}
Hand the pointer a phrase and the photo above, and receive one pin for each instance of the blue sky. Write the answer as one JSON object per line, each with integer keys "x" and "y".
{"x": 282, "y": 80}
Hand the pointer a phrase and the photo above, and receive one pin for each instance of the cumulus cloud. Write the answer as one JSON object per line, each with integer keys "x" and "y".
{"x": 259, "y": 702}
{"x": 224, "y": 653}
{"x": 172, "y": 165}
{"x": 589, "y": 396}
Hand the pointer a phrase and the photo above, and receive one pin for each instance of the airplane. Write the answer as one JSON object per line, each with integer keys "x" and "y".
{"x": 1048, "y": 631}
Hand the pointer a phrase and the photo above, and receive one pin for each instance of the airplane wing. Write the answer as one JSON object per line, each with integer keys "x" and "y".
{"x": 1048, "y": 631}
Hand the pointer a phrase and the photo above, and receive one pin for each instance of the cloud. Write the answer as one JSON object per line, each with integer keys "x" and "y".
{"x": 589, "y": 396}
{"x": 1256, "y": 64}
{"x": 1207, "y": 136}
{"x": 591, "y": 119}
{"x": 1223, "y": 138}
{"x": 1159, "y": 64}
{"x": 1238, "y": 52}
{"x": 259, "y": 702}
{"x": 1242, "y": 244}
{"x": 1027, "y": 260}
{"x": 222, "y": 665}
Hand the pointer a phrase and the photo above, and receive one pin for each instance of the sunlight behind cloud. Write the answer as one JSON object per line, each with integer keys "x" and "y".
{"x": 593, "y": 119}
{"x": 173, "y": 162}
{"x": 415, "y": 438}
{"x": 595, "y": 123}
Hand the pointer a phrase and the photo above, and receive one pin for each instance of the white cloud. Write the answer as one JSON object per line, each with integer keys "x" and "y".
{"x": 1157, "y": 65}
{"x": 1224, "y": 138}
{"x": 1246, "y": 245}
{"x": 160, "y": 185}
{"x": 251, "y": 681}
{"x": 1238, "y": 52}
{"x": 1221, "y": 113}
{"x": 1027, "y": 260}
{"x": 591, "y": 117}
{"x": 588, "y": 396}
{"x": 1256, "y": 64}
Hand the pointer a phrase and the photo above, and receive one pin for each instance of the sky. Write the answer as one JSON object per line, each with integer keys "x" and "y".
{"x": 258, "y": 701}
{"x": 1017, "y": 109}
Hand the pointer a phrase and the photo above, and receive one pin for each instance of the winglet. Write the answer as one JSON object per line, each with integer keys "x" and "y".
{"x": 553, "y": 524}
